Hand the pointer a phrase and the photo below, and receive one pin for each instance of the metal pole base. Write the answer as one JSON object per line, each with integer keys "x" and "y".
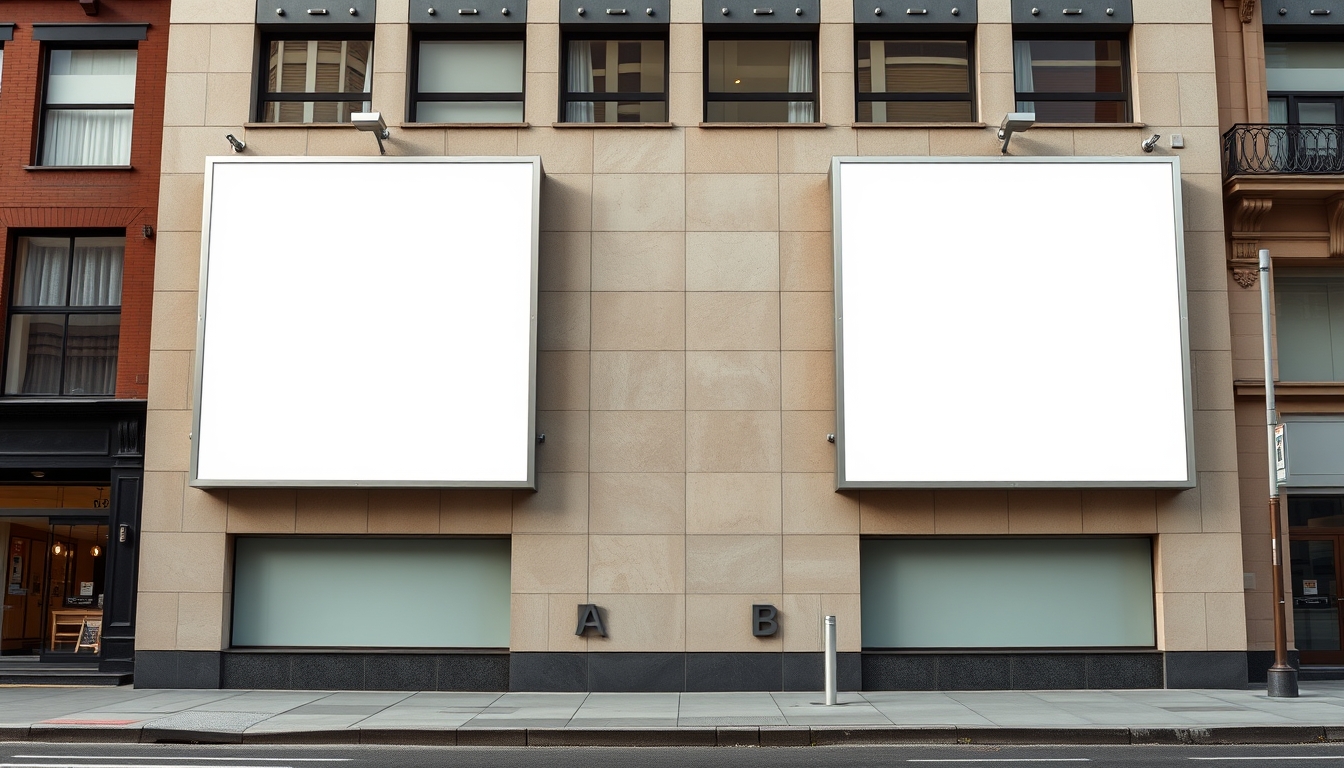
{"x": 1283, "y": 682}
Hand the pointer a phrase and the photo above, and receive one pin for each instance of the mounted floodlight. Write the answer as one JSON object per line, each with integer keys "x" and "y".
{"x": 1014, "y": 122}
{"x": 372, "y": 121}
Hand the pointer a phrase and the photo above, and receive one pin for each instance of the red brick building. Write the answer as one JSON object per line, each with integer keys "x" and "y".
{"x": 81, "y": 121}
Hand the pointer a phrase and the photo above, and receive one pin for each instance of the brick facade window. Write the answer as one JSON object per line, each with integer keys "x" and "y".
{"x": 88, "y": 107}
{"x": 64, "y": 315}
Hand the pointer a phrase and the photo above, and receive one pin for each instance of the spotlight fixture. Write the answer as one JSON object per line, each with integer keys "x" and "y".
{"x": 1014, "y": 122}
{"x": 57, "y": 549}
{"x": 95, "y": 550}
{"x": 372, "y": 122}
{"x": 37, "y": 473}
{"x": 238, "y": 146}
{"x": 1148, "y": 144}
{"x": 147, "y": 231}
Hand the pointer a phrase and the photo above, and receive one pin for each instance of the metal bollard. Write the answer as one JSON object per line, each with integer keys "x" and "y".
{"x": 828, "y": 647}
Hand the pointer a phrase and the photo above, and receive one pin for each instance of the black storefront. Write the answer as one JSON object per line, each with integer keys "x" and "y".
{"x": 72, "y": 480}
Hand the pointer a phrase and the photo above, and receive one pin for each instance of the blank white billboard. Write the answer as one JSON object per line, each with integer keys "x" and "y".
{"x": 367, "y": 322}
{"x": 1016, "y": 322}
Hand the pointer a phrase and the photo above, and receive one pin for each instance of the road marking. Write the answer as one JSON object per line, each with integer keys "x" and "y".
{"x": 156, "y": 757}
{"x": 1274, "y": 757}
{"x": 121, "y": 765}
{"x": 994, "y": 760}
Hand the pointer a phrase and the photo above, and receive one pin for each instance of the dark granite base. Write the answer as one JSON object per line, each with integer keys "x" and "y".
{"x": 1207, "y": 669}
{"x": 1259, "y": 662}
{"x": 323, "y": 671}
{"x": 1010, "y": 671}
{"x": 177, "y": 669}
{"x": 646, "y": 672}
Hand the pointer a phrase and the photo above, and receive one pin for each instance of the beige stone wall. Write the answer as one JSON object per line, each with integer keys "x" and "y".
{"x": 686, "y": 371}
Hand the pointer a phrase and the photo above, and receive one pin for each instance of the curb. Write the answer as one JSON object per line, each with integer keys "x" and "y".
{"x": 734, "y": 736}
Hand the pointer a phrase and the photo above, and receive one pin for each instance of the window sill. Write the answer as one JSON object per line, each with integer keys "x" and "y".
{"x": 79, "y": 168}
{"x": 1086, "y": 126}
{"x": 762, "y": 125}
{"x": 414, "y": 126}
{"x": 612, "y": 125}
{"x": 866, "y": 126}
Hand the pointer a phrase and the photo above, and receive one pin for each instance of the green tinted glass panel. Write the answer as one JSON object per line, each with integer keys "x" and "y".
{"x": 1007, "y": 593}
{"x": 372, "y": 593}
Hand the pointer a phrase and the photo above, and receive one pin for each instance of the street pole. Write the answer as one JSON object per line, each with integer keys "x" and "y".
{"x": 828, "y": 663}
{"x": 1282, "y": 678}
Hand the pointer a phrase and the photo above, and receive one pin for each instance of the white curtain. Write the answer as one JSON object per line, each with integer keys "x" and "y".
{"x": 580, "y": 81}
{"x": 800, "y": 81}
{"x": 1022, "y": 77}
{"x": 91, "y": 354}
{"x": 95, "y": 275}
{"x": 1278, "y": 115}
{"x": 40, "y": 274}
{"x": 87, "y": 137}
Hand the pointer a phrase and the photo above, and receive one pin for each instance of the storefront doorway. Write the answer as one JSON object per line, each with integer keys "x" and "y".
{"x": 56, "y": 574}
{"x": 1316, "y": 535}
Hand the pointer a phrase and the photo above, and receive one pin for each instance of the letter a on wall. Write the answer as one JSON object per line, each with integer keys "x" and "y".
{"x": 590, "y": 618}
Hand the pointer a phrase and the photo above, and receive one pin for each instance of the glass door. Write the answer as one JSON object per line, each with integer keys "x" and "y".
{"x": 1315, "y": 569}
{"x": 76, "y": 574}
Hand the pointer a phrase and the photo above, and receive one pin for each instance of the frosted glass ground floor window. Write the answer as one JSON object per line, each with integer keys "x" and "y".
{"x": 362, "y": 592}
{"x": 1007, "y": 593}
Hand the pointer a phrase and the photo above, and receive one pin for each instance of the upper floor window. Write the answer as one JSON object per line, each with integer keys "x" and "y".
{"x": 615, "y": 81}
{"x": 88, "y": 107}
{"x": 315, "y": 81}
{"x": 1310, "y": 327}
{"x": 761, "y": 81}
{"x": 1072, "y": 81}
{"x": 1305, "y": 80}
{"x": 64, "y": 316}
{"x": 468, "y": 81}
{"x": 913, "y": 81}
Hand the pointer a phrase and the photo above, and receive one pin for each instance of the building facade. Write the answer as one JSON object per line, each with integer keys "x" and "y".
{"x": 1280, "y": 92}
{"x": 81, "y": 102}
{"x": 681, "y": 528}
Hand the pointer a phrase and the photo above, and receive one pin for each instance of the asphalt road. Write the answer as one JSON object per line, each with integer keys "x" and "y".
{"x": 32, "y": 755}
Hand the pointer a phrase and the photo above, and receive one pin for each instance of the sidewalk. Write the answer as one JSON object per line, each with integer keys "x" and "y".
{"x": 671, "y": 719}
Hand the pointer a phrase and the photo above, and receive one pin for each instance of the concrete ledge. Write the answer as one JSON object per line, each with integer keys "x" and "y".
{"x": 413, "y": 737}
{"x": 151, "y": 735}
{"x": 76, "y": 734}
{"x": 726, "y": 736}
{"x": 1235, "y": 734}
{"x": 621, "y": 737}
{"x": 785, "y": 736}
{"x": 329, "y": 736}
{"x": 932, "y": 734}
{"x": 975, "y": 735}
{"x": 491, "y": 737}
{"x": 738, "y": 737}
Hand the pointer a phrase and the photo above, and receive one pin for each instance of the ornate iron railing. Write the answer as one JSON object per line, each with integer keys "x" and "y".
{"x": 1270, "y": 149}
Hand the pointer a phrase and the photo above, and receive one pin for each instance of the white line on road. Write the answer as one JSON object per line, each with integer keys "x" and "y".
{"x": 157, "y": 757}
{"x": 993, "y": 760}
{"x": 121, "y": 765}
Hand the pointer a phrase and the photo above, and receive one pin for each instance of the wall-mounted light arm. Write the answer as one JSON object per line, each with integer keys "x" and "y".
{"x": 372, "y": 122}
{"x": 1014, "y": 122}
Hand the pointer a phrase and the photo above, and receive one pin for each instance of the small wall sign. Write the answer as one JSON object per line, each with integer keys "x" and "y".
{"x": 764, "y": 620}
{"x": 590, "y": 618}
{"x": 1309, "y": 587}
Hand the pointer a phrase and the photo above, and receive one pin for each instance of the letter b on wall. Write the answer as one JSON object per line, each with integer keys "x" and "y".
{"x": 764, "y": 620}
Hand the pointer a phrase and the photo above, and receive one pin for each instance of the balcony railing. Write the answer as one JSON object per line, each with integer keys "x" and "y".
{"x": 1273, "y": 149}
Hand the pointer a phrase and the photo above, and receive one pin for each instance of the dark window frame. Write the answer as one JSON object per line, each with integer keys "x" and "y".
{"x": 782, "y": 32}
{"x": 272, "y": 34}
{"x": 886, "y": 34}
{"x": 1126, "y": 86}
{"x": 44, "y": 107}
{"x": 463, "y": 33}
{"x": 637, "y": 33}
{"x": 63, "y": 310}
{"x": 1292, "y": 97}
